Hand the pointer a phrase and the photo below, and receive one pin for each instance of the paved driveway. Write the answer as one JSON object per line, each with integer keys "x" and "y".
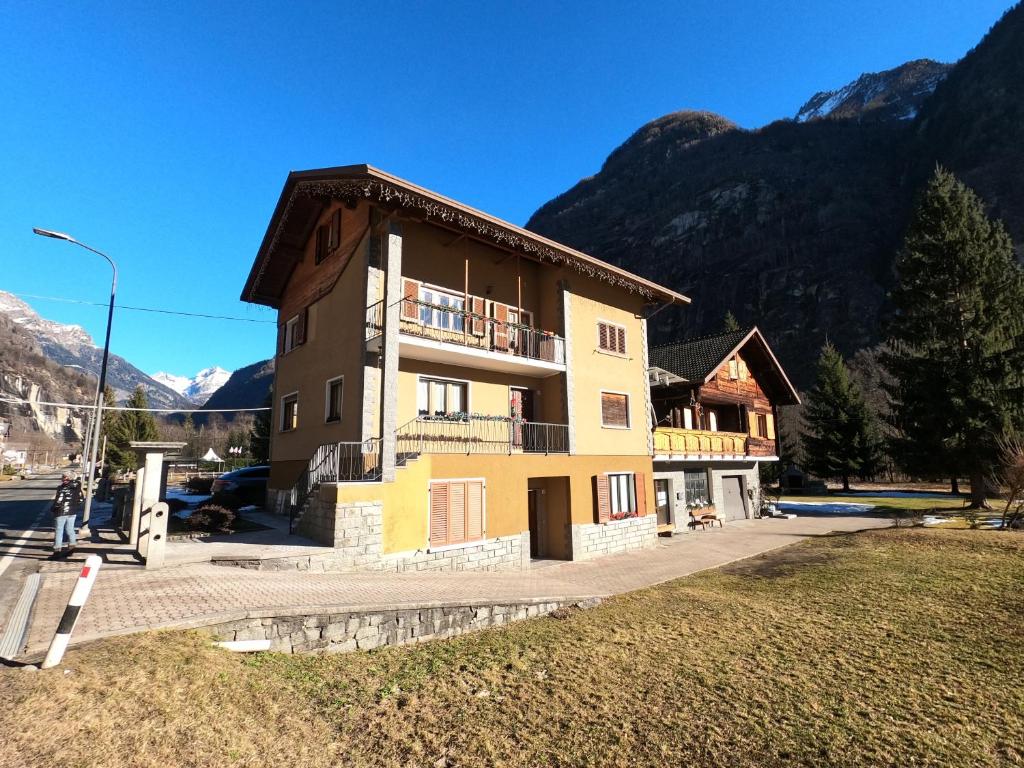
{"x": 131, "y": 600}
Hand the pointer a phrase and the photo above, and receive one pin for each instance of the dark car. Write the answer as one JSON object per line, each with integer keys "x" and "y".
{"x": 248, "y": 484}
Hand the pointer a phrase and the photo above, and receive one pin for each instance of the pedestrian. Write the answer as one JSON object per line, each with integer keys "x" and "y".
{"x": 66, "y": 506}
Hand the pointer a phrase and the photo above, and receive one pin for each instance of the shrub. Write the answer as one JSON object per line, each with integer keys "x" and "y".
{"x": 211, "y": 518}
{"x": 226, "y": 499}
{"x": 199, "y": 484}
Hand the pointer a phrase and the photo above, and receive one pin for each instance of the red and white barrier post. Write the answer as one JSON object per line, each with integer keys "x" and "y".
{"x": 62, "y": 637}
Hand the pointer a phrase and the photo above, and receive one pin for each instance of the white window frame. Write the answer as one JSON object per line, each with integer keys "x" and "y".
{"x": 614, "y": 496}
{"x": 600, "y": 410}
{"x": 327, "y": 400}
{"x": 428, "y": 378}
{"x": 289, "y": 333}
{"x": 436, "y": 314}
{"x": 597, "y": 337}
{"x": 280, "y": 423}
{"x": 712, "y": 421}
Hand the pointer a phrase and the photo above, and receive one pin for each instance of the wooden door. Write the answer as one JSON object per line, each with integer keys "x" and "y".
{"x": 662, "y": 502}
{"x": 520, "y": 410}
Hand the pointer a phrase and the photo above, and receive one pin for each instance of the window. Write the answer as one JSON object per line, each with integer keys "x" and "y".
{"x": 738, "y": 369}
{"x": 712, "y": 421}
{"x": 441, "y": 397}
{"x": 695, "y": 487}
{"x": 762, "y": 425}
{"x": 622, "y": 493}
{"x": 611, "y": 338}
{"x": 334, "y": 232}
{"x": 332, "y": 399}
{"x": 614, "y": 410}
{"x": 322, "y": 236}
{"x": 446, "y": 310}
{"x": 687, "y": 418}
{"x": 456, "y": 514}
{"x": 290, "y": 412}
{"x": 293, "y": 333}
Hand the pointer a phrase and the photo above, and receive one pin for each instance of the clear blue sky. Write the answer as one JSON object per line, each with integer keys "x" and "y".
{"x": 163, "y": 135}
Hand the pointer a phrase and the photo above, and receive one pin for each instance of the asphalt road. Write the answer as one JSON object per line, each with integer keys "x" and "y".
{"x": 24, "y": 507}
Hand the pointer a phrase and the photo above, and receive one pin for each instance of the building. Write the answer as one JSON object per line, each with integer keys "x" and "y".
{"x": 714, "y": 400}
{"x": 451, "y": 391}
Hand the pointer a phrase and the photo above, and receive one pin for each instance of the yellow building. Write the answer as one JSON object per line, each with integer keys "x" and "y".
{"x": 451, "y": 391}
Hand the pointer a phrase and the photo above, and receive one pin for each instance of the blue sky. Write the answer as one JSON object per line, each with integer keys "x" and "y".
{"x": 162, "y": 133}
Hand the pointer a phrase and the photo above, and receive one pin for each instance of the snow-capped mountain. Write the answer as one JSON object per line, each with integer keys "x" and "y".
{"x": 71, "y": 347}
{"x": 895, "y": 94}
{"x": 198, "y": 388}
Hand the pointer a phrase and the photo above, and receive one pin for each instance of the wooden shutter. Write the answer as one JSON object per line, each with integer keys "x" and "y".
{"x": 602, "y": 336}
{"x": 411, "y": 292}
{"x": 300, "y": 327}
{"x": 770, "y": 419}
{"x": 744, "y": 371}
{"x": 752, "y": 418}
{"x": 335, "y": 239}
{"x": 320, "y": 249}
{"x": 620, "y": 340}
{"x": 500, "y": 325}
{"x": 438, "y": 514}
{"x": 602, "y": 499}
{"x": 280, "y": 339}
{"x": 734, "y": 371}
{"x": 474, "y": 510}
{"x": 456, "y": 512}
{"x": 641, "y": 493}
{"x": 477, "y": 324}
{"x": 614, "y": 410}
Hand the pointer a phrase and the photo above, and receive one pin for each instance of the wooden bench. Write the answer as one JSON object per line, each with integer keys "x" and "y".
{"x": 704, "y": 519}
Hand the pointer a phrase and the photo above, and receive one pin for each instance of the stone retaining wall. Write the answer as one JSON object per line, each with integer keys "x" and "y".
{"x": 596, "y": 540}
{"x": 367, "y": 629}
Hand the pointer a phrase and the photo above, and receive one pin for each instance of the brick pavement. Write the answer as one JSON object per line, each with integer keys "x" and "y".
{"x": 132, "y": 599}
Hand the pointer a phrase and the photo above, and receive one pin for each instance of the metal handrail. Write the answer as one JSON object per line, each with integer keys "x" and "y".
{"x": 470, "y": 434}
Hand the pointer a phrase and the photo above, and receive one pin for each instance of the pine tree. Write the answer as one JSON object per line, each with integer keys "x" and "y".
{"x": 957, "y": 336}
{"x": 729, "y": 322}
{"x": 130, "y": 426}
{"x": 841, "y": 438}
{"x": 259, "y": 438}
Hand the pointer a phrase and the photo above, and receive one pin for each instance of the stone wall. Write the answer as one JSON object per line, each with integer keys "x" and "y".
{"x": 596, "y": 540}
{"x": 366, "y": 629}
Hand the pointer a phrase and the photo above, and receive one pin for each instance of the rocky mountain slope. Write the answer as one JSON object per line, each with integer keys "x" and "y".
{"x": 247, "y": 387}
{"x": 70, "y": 346}
{"x": 895, "y": 94}
{"x": 794, "y": 226}
{"x": 196, "y": 389}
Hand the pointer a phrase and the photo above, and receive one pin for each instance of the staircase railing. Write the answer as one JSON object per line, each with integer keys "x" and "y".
{"x": 336, "y": 463}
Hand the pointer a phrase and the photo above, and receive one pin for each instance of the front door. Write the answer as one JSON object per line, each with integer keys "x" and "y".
{"x": 520, "y": 410}
{"x": 661, "y": 499}
{"x": 733, "y": 505}
{"x": 536, "y": 522}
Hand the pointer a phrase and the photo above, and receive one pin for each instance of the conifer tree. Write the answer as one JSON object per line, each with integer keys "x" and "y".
{"x": 259, "y": 438}
{"x": 729, "y": 322}
{"x": 130, "y": 426}
{"x": 841, "y": 437}
{"x": 956, "y": 335}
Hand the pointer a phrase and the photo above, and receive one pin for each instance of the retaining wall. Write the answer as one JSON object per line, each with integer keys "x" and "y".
{"x": 596, "y": 540}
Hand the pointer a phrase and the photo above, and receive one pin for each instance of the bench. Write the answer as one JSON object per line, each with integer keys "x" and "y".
{"x": 704, "y": 518}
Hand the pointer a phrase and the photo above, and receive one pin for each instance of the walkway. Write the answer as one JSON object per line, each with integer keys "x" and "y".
{"x": 193, "y": 595}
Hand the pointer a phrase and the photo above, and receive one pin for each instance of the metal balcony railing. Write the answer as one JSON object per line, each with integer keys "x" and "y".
{"x": 455, "y": 325}
{"x": 480, "y": 434}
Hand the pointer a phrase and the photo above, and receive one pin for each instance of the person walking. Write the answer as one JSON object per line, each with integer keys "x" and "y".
{"x": 66, "y": 506}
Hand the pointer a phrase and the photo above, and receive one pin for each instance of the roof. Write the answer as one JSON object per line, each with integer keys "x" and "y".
{"x": 306, "y": 194}
{"x": 698, "y": 359}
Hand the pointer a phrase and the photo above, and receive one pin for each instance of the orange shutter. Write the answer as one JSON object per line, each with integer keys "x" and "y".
{"x": 620, "y": 339}
{"x": 477, "y": 325}
{"x": 474, "y": 510}
{"x": 438, "y": 514}
{"x": 602, "y": 498}
{"x": 614, "y": 410}
{"x": 456, "y": 513}
{"x": 411, "y": 292}
{"x": 500, "y": 326}
{"x": 641, "y": 493}
{"x": 752, "y": 418}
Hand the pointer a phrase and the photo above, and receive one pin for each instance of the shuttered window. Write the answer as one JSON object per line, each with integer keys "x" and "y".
{"x": 334, "y": 233}
{"x": 411, "y": 293}
{"x": 619, "y": 495}
{"x": 611, "y": 338}
{"x": 333, "y": 398}
{"x": 614, "y": 410}
{"x": 322, "y": 238}
{"x": 456, "y": 512}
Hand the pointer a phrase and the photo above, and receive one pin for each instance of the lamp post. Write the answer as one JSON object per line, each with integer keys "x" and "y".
{"x": 94, "y": 436}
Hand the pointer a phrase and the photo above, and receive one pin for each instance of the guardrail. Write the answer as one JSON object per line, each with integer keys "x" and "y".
{"x": 487, "y": 435}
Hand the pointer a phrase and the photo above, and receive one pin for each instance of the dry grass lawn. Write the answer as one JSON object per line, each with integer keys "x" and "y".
{"x": 893, "y": 647}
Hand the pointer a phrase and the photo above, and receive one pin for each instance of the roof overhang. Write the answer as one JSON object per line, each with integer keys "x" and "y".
{"x": 307, "y": 193}
{"x": 788, "y": 394}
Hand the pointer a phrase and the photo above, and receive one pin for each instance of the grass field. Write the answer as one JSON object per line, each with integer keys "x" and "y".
{"x": 906, "y": 508}
{"x": 892, "y": 647}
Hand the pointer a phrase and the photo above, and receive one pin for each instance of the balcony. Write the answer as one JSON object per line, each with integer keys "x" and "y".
{"x": 679, "y": 444}
{"x": 453, "y": 335}
{"x": 467, "y": 434}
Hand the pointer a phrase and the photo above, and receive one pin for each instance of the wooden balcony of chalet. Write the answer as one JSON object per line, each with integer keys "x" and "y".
{"x": 678, "y": 443}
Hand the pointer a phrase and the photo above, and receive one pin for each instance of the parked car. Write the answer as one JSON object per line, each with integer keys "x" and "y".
{"x": 248, "y": 484}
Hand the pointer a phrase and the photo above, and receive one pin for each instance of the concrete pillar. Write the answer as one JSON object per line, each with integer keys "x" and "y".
{"x": 136, "y": 518}
{"x": 648, "y": 407}
{"x": 153, "y": 470}
{"x": 370, "y": 428}
{"x": 570, "y": 386}
{"x": 391, "y": 258}
{"x": 158, "y": 515}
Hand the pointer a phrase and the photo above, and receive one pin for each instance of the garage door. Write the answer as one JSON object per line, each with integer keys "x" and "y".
{"x": 732, "y": 498}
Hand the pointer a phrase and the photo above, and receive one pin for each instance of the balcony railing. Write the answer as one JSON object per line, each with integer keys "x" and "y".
{"x": 454, "y": 325}
{"x": 699, "y": 442}
{"x": 480, "y": 434}
{"x": 344, "y": 463}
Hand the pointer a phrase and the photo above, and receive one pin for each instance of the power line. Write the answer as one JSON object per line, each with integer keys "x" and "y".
{"x": 143, "y": 309}
{"x": 90, "y": 406}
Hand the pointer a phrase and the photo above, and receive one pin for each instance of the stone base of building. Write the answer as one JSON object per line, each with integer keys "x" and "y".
{"x": 596, "y": 540}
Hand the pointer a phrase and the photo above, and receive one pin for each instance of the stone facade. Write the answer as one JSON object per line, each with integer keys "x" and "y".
{"x": 368, "y": 629}
{"x": 596, "y": 540}
{"x": 675, "y": 471}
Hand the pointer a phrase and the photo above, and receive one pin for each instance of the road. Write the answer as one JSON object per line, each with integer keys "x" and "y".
{"x": 26, "y": 534}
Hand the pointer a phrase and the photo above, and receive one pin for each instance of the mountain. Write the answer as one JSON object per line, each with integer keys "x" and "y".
{"x": 70, "y": 346}
{"x": 895, "y": 94}
{"x": 247, "y": 387}
{"x": 795, "y": 226}
{"x": 198, "y": 388}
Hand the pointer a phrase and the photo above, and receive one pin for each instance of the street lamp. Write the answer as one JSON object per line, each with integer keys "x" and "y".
{"x": 94, "y": 437}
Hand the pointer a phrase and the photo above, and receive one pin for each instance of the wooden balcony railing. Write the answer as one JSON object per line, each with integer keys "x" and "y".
{"x": 699, "y": 442}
